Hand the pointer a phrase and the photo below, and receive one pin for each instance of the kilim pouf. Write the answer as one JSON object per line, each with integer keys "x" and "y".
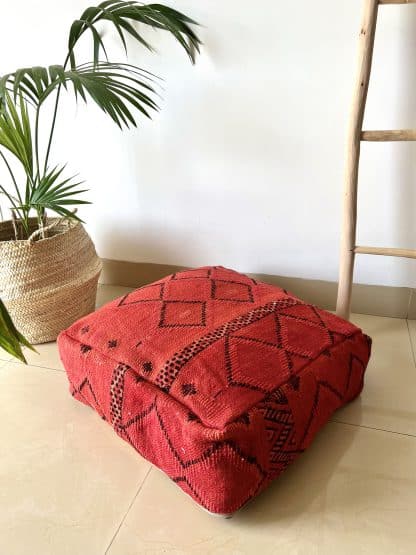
{"x": 219, "y": 380}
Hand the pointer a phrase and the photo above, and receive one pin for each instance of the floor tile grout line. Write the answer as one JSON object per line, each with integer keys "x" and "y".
{"x": 18, "y": 363}
{"x": 411, "y": 342}
{"x": 409, "y": 304}
{"x": 373, "y": 428}
{"x": 128, "y": 510}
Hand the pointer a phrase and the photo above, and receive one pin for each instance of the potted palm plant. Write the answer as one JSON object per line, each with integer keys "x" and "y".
{"x": 48, "y": 265}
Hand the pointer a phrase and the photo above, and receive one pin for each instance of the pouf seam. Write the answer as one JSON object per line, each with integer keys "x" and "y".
{"x": 243, "y": 411}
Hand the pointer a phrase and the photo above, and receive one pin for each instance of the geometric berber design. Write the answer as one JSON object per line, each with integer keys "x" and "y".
{"x": 217, "y": 379}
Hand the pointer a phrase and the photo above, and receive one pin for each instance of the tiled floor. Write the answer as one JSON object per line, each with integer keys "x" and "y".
{"x": 70, "y": 486}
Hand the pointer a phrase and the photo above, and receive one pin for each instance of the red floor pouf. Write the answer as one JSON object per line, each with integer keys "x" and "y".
{"x": 217, "y": 379}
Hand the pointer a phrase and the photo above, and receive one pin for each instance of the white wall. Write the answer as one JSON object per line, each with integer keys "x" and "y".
{"x": 244, "y": 165}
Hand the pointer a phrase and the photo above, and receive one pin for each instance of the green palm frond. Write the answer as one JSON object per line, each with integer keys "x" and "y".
{"x": 31, "y": 82}
{"x": 122, "y": 15}
{"x": 15, "y": 130}
{"x": 113, "y": 87}
{"x": 54, "y": 193}
{"x": 11, "y": 340}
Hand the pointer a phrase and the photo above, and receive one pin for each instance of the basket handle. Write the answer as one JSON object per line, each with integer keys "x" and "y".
{"x": 39, "y": 231}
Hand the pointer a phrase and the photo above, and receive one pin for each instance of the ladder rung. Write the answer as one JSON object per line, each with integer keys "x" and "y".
{"x": 399, "y": 135}
{"x": 404, "y": 253}
{"x": 397, "y": 1}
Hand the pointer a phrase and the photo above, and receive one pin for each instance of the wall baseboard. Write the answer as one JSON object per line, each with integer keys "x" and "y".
{"x": 379, "y": 300}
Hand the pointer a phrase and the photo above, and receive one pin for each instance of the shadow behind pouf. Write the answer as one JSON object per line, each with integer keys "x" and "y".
{"x": 50, "y": 283}
{"x": 219, "y": 380}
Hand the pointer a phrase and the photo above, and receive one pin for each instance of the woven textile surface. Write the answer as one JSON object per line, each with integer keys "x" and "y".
{"x": 217, "y": 379}
{"x": 48, "y": 284}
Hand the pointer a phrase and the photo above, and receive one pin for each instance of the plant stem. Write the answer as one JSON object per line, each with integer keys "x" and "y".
{"x": 14, "y": 224}
{"x": 37, "y": 140}
{"x": 40, "y": 223}
{"x": 55, "y": 111}
{"x": 9, "y": 197}
{"x": 22, "y": 218}
{"x": 12, "y": 176}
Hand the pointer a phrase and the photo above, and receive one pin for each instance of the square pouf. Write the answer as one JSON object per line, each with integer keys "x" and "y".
{"x": 219, "y": 380}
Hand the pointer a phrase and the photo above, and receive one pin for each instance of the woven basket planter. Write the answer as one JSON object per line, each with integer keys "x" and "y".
{"x": 48, "y": 284}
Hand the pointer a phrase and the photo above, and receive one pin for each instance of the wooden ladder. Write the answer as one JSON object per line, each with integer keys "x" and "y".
{"x": 355, "y": 135}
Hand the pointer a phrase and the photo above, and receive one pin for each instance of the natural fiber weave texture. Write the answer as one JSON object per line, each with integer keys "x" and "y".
{"x": 217, "y": 379}
{"x": 50, "y": 283}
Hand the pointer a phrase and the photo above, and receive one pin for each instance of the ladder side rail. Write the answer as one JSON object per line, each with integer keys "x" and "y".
{"x": 349, "y": 225}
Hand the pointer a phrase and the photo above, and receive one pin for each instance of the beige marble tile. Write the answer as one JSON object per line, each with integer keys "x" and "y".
{"x": 353, "y": 491}
{"x": 66, "y": 479}
{"x": 46, "y": 356}
{"x": 388, "y": 399}
{"x": 3, "y": 363}
{"x": 4, "y": 355}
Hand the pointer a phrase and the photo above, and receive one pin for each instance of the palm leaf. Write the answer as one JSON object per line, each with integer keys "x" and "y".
{"x": 54, "y": 193}
{"x": 115, "y": 88}
{"x": 15, "y": 130}
{"x": 11, "y": 340}
{"x": 27, "y": 82}
{"x": 121, "y": 14}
